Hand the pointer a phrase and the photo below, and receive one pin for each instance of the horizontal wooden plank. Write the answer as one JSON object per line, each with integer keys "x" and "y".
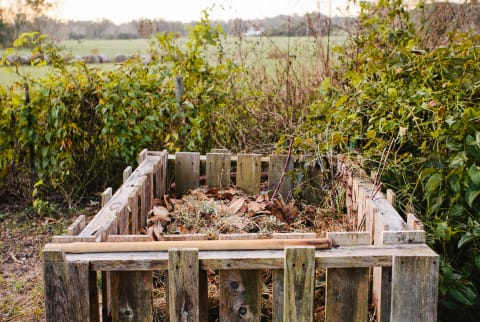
{"x": 355, "y": 256}
{"x": 403, "y": 237}
{"x": 106, "y": 247}
{"x": 203, "y": 158}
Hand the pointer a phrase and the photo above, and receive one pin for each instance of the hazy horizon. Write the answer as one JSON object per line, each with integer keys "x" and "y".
{"x": 191, "y": 10}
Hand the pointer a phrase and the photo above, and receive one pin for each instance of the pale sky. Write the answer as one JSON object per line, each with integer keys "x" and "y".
{"x": 120, "y": 11}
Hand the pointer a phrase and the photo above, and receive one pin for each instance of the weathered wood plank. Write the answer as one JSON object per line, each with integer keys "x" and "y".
{"x": 347, "y": 288}
{"x": 131, "y": 291}
{"x": 142, "y": 156}
{"x": 127, "y": 173}
{"x": 413, "y": 223}
{"x": 77, "y": 226}
{"x": 276, "y": 169}
{"x": 277, "y": 277}
{"x": 218, "y": 170}
{"x": 128, "y": 238}
{"x": 249, "y": 170}
{"x": 414, "y": 288}
{"x": 72, "y": 239}
{"x": 403, "y": 237}
{"x": 185, "y": 237}
{"x": 382, "y": 276}
{"x": 184, "y": 294}
{"x": 132, "y": 296}
{"x": 187, "y": 171}
{"x": 141, "y": 189}
{"x": 160, "y": 175}
{"x": 355, "y": 256}
{"x": 66, "y": 290}
{"x": 349, "y": 238}
{"x": 240, "y": 290}
{"x": 133, "y": 213}
{"x": 299, "y": 279}
{"x": 106, "y": 196}
{"x": 391, "y": 197}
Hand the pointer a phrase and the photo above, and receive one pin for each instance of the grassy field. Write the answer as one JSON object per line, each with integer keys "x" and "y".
{"x": 271, "y": 53}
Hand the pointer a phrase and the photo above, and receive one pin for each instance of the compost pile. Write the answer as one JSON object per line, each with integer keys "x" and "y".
{"x": 231, "y": 211}
{"x": 211, "y": 211}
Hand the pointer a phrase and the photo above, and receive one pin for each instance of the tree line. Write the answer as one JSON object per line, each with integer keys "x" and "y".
{"x": 30, "y": 16}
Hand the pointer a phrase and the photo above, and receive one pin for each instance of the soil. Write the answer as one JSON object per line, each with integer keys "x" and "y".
{"x": 22, "y": 236}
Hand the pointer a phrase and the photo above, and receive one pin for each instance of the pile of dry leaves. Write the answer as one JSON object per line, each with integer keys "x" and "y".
{"x": 212, "y": 211}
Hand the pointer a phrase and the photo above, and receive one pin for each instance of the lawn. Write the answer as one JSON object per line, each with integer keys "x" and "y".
{"x": 251, "y": 52}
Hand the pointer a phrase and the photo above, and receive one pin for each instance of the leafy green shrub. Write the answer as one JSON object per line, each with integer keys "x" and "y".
{"x": 422, "y": 108}
{"x": 75, "y": 129}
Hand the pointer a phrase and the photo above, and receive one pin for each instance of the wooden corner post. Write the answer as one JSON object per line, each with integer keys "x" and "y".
{"x": 70, "y": 289}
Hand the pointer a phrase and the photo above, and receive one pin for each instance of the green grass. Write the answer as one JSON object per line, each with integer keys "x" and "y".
{"x": 255, "y": 52}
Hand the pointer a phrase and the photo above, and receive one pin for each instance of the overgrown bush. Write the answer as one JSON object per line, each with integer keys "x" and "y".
{"x": 419, "y": 107}
{"x": 70, "y": 133}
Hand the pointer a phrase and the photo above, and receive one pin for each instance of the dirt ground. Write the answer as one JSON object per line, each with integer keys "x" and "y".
{"x": 22, "y": 236}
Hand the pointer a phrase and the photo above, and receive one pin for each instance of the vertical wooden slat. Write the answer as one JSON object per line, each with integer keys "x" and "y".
{"x": 347, "y": 288}
{"x": 142, "y": 205}
{"x": 413, "y": 223}
{"x": 382, "y": 276}
{"x": 148, "y": 193}
{"x": 218, "y": 170}
{"x": 277, "y": 277}
{"x": 299, "y": 278}
{"x": 160, "y": 178}
{"x": 111, "y": 229}
{"x": 202, "y": 275}
{"x": 249, "y": 170}
{"x": 66, "y": 289}
{"x": 142, "y": 156}
{"x": 122, "y": 220}
{"x": 132, "y": 296}
{"x": 187, "y": 171}
{"x": 240, "y": 290}
{"x": 77, "y": 226}
{"x": 391, "y": 197}
{"x": 276, "y": 167}
{"x": 133, "y": 213}
{"x": 127, "y": 173}
{"x": 106, "y": 196}
{"x": 131, "y": 291}
{"x": 414, "y": 288}
{"x": 165, "y": 186}
{"x": 184, "y": 285}
{"x": 93, "y": 294}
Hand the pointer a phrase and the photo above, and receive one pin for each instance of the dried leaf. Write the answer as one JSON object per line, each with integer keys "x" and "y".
{"x": 256, "y": 207}
{"x": 157, "y": 231}
{"x": 160, "y": 214}
{"x": 169, "y": 205}
{"x": 237, "y": 205}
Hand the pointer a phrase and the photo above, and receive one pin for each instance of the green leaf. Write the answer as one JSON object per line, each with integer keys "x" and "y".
{"x": 454, "y": 182}
{"x": 466, "y": 238}
{"x": 433, "y": 182}
{"x": 477, "y": 262}
{"x": 458, "y": 160}
{"x": 474, "y": 174}
{"x": 341, "y": 100}
{"x": 471, "y": 195}
{"x": 463, "y": 294}
{"x": 325, "y": 86}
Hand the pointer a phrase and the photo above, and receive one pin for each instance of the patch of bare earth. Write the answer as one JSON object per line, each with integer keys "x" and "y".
{"x": 22, "y": 236}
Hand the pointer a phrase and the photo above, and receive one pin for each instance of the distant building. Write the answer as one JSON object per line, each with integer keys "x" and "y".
{"x": 253, "y": 32}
